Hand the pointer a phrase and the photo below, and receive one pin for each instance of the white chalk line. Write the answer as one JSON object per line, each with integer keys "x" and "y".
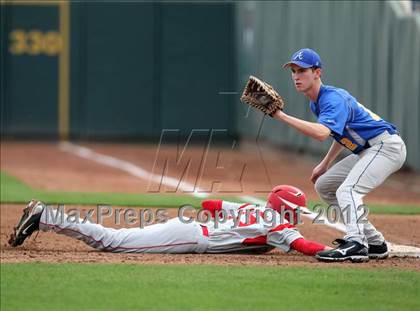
{"x": 135, "y": 170}
{"x": 127, "y": 167}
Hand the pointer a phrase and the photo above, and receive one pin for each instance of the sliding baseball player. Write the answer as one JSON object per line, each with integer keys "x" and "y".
{"x": 243, "y": 231}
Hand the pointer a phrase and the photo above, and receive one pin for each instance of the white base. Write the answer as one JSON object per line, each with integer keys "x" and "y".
{"x": 396, "y": 250}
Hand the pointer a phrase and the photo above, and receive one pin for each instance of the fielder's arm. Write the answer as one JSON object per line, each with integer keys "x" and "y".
{"x": 325, "y": 164}
{"x": 311, "y": 129}
{"x": 332, "y": 154}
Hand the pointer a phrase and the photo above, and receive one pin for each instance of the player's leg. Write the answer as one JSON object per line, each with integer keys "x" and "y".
{"x": 327, "y": 184}
{"x": 171, "y": 237}
{"x": 374, "y": 166}
{"x": 373, "y": 236}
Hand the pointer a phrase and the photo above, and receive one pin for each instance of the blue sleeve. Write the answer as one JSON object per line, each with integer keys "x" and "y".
{"x": 334, "y": 113}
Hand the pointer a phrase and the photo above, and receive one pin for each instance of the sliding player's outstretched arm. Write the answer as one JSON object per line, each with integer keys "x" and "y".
{"x": 308, "y": 247}
{"x": 287, "y": 237}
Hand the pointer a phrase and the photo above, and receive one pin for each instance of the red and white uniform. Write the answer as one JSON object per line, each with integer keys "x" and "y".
{"x": 176, "y": 236}
{"x": 249, "y": 234}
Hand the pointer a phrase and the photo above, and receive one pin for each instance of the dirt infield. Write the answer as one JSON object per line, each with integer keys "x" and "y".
{"x": 47, "y": 166}
{"x": 51, "y": 247}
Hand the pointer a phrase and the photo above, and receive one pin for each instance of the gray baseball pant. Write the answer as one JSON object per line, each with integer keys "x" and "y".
{"x": 172, "y": 237}
{"x": 347, "y": 182}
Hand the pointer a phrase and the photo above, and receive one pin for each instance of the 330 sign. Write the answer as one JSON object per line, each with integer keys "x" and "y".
{"x": 34, "y": 42}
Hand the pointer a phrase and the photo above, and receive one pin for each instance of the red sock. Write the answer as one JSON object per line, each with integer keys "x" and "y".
{"x": 307, "y": 247}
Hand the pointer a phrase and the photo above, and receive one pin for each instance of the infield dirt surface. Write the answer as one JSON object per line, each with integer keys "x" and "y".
{"x": 46, "y": 166}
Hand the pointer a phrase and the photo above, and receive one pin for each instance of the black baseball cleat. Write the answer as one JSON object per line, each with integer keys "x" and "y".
{"x": 378, "y": 251}
{"x": 347, "y": 250}
{"x": 28, "y": 223}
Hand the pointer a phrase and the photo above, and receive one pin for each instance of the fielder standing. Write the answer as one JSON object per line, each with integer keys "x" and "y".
{"x": 378, "y": 151}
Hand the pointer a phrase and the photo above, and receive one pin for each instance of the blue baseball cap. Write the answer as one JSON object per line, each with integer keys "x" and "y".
{"x": 305, "y": 58}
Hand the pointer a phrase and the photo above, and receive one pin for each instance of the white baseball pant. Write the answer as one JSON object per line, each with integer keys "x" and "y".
{"x": 173, "y": 236}
{"x": 347, "y": 182}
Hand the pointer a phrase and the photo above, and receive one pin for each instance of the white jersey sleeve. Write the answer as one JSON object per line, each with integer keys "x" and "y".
{"x": 283, "y": 238}
{"x": 228, "y": 206}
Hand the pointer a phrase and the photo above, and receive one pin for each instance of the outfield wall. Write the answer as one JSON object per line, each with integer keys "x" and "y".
{"x": 128, "y": 70}
{"x": 370, "y": 48}
{"x": 115, "y": 70}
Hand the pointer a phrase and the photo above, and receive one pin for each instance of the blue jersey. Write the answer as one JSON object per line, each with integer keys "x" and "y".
{"x": 351, "y": 124}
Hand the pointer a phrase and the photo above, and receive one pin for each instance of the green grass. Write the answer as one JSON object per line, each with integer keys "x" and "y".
{"x": 394, "y": 209}
{"x": 171, "y": 287}
{"x": 15, "y": 191}
{"x": 382, "y": 209}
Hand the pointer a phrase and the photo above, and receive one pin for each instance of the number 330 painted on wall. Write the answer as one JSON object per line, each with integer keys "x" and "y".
{"x": 34, "y": 42}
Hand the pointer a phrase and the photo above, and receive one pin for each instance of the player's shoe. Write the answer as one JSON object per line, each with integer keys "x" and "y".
{"x": 378, "y": 251}
{"x": 347, "y": 250}
{"x": 28, "y": 223}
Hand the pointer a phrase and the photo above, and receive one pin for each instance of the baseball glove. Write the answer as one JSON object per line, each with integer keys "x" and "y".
{"x": 262, "y": 96}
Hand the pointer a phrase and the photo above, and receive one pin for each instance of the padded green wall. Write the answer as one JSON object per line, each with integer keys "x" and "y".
{"x": 136, "y": 68}
{"x": 371, "y": 48}
{"x": 29, "y": 87}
